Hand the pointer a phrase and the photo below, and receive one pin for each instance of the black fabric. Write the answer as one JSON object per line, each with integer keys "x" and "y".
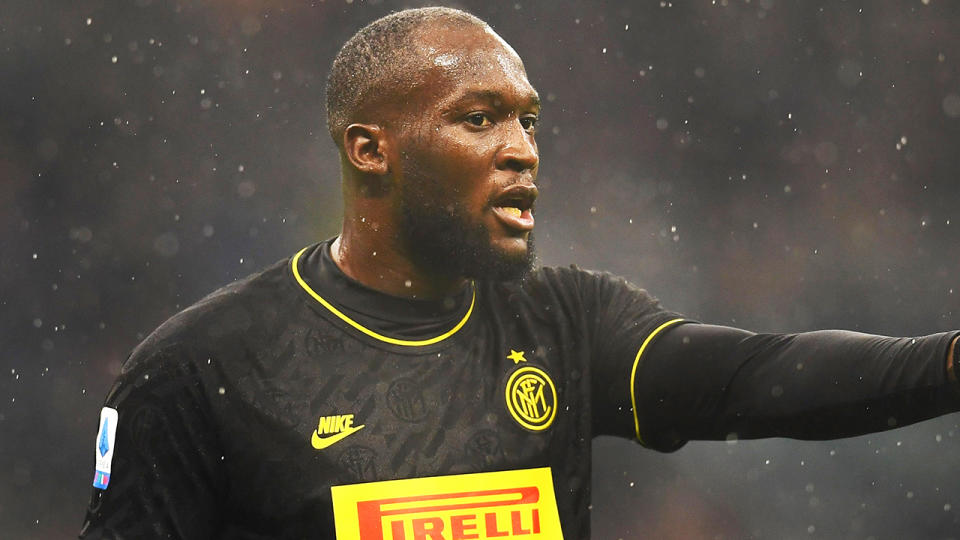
{"x": 396, "y": 317}
{"x": 714, "y": 382}
{"x": 218, "y": 405}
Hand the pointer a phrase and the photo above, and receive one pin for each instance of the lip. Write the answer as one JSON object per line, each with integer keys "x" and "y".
{"x": 519, "y": 195}
{"x": 524, "y": 222}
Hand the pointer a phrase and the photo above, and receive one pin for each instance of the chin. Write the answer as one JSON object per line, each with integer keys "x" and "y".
{"x": 447, "y": 242}
{"x": 511, "y": 248}
{"x": 503, "y": 262}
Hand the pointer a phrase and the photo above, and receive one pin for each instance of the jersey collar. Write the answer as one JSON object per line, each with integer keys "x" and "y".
{"x": 383, "y": 317}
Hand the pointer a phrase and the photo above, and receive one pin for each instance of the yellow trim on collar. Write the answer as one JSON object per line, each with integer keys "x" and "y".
{"x": 633, "y": 373}
{"x": 369, "y": 332}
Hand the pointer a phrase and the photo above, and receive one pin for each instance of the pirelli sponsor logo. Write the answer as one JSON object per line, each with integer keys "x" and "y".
{"x": 506, "y": 504}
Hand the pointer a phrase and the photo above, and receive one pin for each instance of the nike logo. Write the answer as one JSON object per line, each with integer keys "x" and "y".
{"x": 322, "y": 442}
{"x": 336, "y": 428}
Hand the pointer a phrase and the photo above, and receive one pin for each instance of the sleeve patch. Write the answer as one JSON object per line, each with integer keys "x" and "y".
{"x": 106, "y": 436}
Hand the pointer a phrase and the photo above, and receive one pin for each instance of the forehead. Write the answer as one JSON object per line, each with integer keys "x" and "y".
{"x": 460, "y": 60}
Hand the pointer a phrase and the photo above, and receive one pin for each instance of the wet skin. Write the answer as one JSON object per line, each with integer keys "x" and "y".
{"x": 472, "y": 144}
{"x": 459, "y": 140}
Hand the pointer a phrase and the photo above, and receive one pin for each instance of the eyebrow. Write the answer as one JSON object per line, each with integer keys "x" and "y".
{"x": 493, "y": 95}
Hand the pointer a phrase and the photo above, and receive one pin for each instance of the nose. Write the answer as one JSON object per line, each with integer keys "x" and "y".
{"x": 519, "y": 150}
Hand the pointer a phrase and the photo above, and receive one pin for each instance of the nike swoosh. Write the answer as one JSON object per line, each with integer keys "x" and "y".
{"x": 322, "y": 442}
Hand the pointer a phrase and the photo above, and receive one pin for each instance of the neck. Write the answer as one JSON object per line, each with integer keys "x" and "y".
{"x": 385, "y": 267}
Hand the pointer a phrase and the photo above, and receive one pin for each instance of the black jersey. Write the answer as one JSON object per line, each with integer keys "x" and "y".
{"x": 239, "y": 416}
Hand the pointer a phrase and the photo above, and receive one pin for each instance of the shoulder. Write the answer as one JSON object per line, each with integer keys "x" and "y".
{"x": 586, "y": 283}
{"x": 574, "y": 290}
{"x": 226, "y": 317}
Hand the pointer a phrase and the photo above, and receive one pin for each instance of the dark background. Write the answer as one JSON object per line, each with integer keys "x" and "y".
{"x": 771, "y": 164}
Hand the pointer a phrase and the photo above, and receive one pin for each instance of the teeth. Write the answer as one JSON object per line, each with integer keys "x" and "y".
{"x": 512, "y": 211}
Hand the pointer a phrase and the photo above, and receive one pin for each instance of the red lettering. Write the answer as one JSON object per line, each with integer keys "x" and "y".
{"x": 420, "y": 531}
{"x": 371, "y": 513}
{"x": 517, "y": 526}
{"x": 396, "y": 528}
{"x": 491, "y": 521}
{"x": 459, "y": 527}
{"x": 536, "y": 521}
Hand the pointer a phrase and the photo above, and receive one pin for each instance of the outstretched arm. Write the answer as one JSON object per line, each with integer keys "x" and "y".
{"x": 714, "y": 382}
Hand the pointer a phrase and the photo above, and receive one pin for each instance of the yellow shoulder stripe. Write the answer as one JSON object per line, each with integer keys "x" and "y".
{"x": 369, "y": 332}
{"x": 633, "y": 372}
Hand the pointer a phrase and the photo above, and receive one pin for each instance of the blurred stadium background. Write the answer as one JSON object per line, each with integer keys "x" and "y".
{"x": 779, "y": 165}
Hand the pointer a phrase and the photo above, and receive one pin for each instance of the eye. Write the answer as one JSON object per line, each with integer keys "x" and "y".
{"x": 478, "y": 119}
{"x": 529, "y": 122}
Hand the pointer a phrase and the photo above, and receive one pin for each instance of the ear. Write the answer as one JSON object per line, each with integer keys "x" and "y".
{"x": 365, "y": 145}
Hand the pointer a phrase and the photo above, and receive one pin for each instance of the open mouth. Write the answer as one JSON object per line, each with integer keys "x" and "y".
{"x": 514, "y": 207}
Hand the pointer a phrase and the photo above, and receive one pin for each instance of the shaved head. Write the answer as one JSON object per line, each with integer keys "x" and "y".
{"x": 380, "y": 62}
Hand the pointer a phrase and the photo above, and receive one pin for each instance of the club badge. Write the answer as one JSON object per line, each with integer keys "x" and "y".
{"x": 531, "y": 398}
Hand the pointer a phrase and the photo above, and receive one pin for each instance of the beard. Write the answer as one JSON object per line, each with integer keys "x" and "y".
{"x": 444, "y": 240}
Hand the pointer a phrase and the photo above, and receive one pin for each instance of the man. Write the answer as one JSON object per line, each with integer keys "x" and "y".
{"x": 415, "y": 377}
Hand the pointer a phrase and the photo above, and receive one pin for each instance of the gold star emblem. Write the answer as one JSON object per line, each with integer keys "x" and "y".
{"x": 516, "y": 356}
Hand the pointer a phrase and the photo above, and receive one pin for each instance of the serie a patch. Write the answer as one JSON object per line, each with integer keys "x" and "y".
{"x": 106, "y": 436}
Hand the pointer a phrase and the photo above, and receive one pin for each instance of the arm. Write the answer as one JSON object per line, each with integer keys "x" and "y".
{"x": 167, "y": 478}
{"x": 714, "y": 382}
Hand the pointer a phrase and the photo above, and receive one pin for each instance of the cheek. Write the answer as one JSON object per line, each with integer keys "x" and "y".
{"x": 459, "y": 163}
{"x": 444, "y": 167}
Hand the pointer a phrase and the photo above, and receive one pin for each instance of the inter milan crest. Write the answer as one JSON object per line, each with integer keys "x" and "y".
{"x": 531, "y": 398}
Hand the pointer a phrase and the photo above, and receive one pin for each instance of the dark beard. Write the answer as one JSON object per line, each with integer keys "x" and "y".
{"x": 443, "y": 241}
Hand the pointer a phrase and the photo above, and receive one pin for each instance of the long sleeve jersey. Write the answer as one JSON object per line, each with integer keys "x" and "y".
{"x": 298, "y": 403}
